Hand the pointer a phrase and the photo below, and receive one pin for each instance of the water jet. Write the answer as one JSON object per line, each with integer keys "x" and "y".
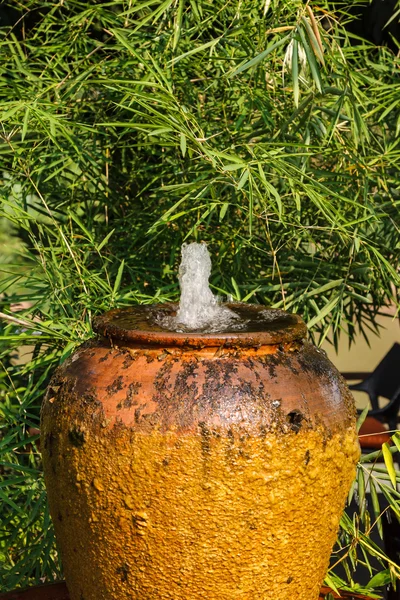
{"x": 197, "y": 451}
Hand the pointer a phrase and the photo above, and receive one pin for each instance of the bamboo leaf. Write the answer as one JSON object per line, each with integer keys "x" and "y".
{"x": 361, "y": 492}
{"x": 388, "y": 458}
{"x": 243, "y": 179}
{"x": 105, "y": 240}
{"x": 118, "y": 278}
{"x": 315, "y": 28}
{"x": 236, "y": 288}
{"x": 324, "y": 288}
{"x": 295, "y": 72}
{"x": 324, "y": 312}
{"x": 330, "y": 583}
{"x": 75, "y": 218}
{"x": 311, "y": 60}
{"x": 260, "y": 57}
{"x": 394, "y": 16}
{"x": 223, "y": 210}
{"x": 201, "y": 48}
{"x": 25, "y": 123}
{"x": 380, "y": 579}
{"x": 362, "y": 418}
{"x": 315, "y": 44}
{"x": 396, "y": 440}
{"x": 376, "y": 506}
{"x": 183, "y": 144}
{"x": 266, "y": 6}
{"x": 178, "y": 24}
{"x": 234, "y": 166}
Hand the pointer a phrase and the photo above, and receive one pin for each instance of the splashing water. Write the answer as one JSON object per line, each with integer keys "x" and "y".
{"x": 199, "y": 309}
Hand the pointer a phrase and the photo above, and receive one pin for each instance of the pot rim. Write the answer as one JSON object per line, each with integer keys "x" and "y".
{"x": 135, "y": 325}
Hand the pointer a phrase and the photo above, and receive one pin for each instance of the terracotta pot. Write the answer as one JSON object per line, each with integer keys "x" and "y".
{"x": 58, "y": 591}
{"x": 187, "y": 466}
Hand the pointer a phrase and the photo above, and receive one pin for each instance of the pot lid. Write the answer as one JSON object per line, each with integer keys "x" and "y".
{"x": 141, "y": 325}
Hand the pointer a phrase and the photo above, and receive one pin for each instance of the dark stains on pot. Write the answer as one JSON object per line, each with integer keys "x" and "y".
{"x": 115, "y": 386}
{"x": 282, "y": 358}
{"x": 218, "y": 375}
{"x": 230, "y": 450}
{"x": 123, "y": 571}
{"x": 90, "y": 397}
{"x": 130, "y": 357}
{"x": 133, "y": 390}
{"x": 205, "y": 439}
{"x": 162, "y": 380}
{"x": 138, "y": 412}
{"x": 169, "y": 391}
{"x": 76, "y": 437}
{"x": 48, "y": 443}
{"x": 185, "y": 386}
{"x": 295, "y": 419}
{"x": 106, "y": 356}
{"x": 271, "y": 362}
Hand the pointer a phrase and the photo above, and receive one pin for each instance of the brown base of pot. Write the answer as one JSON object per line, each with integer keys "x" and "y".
{"x": 58, "y": 591}
{"x": 49, "y": 591}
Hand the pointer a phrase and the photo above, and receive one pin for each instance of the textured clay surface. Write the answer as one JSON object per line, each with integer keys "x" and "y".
{"x": 215, "y": 475}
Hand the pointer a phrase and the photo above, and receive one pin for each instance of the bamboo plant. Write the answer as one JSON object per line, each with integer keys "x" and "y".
{"x": 261, "y": 127}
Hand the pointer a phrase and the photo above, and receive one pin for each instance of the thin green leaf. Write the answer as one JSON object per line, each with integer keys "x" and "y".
{"x": 243, "y": 179}
{"x": 362, "y": 418}
{"x": 257, "y": 59}
{"x": 295, "y": 71}
{"x": 117, "y": 282}
{"x": 178, "y": 24}
{"x": 183, "y": 144}
{"x": 311, "y": 60}
{"x": 236, "y": 288}
{"x": 380, "y": 579}
{"x": 223, "y": 210}
{"x": 324, "y": 312}
{"x": 376, "y": 506}
{"x": 105, "y": 240}
{"x": 388, "y": 458}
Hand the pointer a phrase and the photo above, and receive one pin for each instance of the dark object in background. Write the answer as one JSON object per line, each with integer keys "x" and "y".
{"x": 370, "y": 23}
{"x": 384, "y": 380}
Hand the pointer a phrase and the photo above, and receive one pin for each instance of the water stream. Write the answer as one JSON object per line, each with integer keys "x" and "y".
{"x": 199, "y": 309}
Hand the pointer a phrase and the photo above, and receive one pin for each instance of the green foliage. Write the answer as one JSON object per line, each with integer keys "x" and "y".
{"x": 128, "y": 127}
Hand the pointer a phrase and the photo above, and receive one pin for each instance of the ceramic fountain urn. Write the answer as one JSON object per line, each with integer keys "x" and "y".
{"x": 188, "y": 466}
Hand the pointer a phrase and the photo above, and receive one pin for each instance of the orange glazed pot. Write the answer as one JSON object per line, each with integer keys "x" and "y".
{"x": 189, "y": 466}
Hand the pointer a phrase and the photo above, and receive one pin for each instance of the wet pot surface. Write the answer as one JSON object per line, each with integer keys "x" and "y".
{"x": 58, "y": 591}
